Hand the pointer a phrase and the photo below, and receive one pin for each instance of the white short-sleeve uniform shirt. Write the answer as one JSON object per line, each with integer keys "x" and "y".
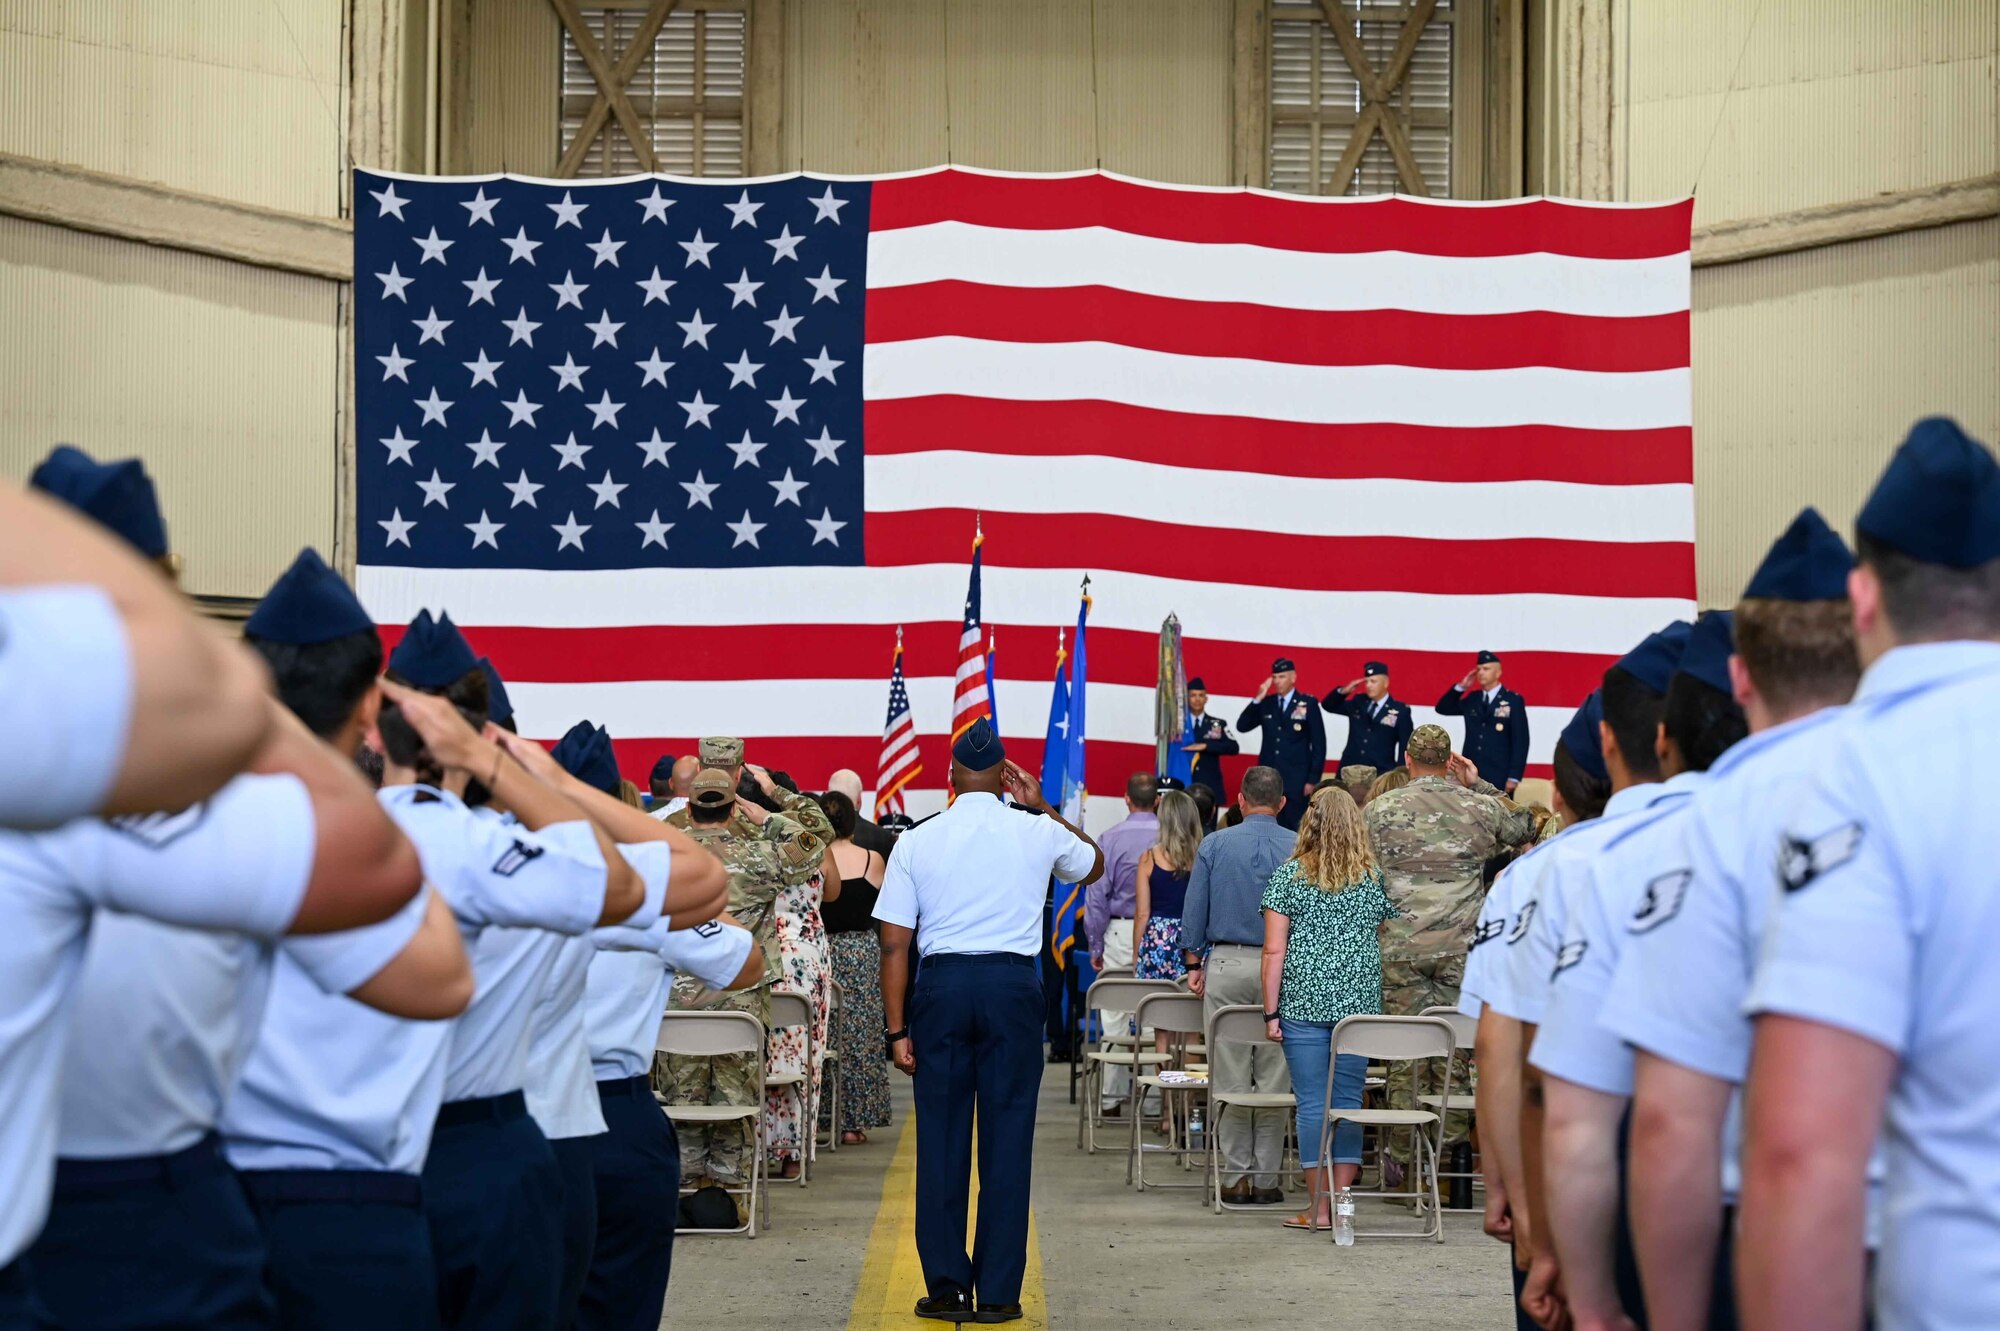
{"x": 977, "y": 874}
{"x": 65, "y": 702}
{"x": 1887, "y": 909}
{"x": 630, "y": 978}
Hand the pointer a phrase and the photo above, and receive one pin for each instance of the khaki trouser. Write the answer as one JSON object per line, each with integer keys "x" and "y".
{"x": 1252, "y": 1141}
{"x": 1117, "y": 957}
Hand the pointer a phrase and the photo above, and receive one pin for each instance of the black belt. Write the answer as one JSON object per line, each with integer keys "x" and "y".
{"x": 978, "y": 959}
{"x": 379, "y": 1187}
{"x": 1230, "y": 942}
{"x": 483, "y": 1109}
{"x": 636, "y": 1086}
{"x": 198, "y": 1160}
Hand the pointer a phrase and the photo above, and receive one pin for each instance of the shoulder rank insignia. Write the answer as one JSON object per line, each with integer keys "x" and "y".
{"x": 1662, "y": 901}
{"x": 1800, "y": 861}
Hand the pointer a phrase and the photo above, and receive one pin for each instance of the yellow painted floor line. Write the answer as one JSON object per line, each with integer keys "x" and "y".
{"x": 892, "y": 1279}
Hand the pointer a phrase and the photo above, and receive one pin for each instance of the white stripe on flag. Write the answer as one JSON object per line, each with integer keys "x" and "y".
{"x": 1298, "y": 506}
{"x": 1285, "y": 279}
{"x": 1390, "y": 621}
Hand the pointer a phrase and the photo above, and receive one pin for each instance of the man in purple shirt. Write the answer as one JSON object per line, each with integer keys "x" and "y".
{"x": 1110, "y": 902}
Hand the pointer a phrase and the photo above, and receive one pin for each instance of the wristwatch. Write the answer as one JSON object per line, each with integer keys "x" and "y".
{"x": 889, "y": 1039}
{"x": 1270, "y": 1017}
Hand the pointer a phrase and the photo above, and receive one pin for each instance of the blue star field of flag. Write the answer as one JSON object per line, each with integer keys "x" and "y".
{"x": 647, "y": 373}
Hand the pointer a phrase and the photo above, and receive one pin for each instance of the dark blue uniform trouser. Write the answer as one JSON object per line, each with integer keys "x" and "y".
{"x": 152, "y": 1241}
{"x": 1295, "y": 796}
{"x": 347, "y": 1248}
{"x": 493, "y": 1195}
{"x": 638, "y": 1190}
{"x": 576, "y": 1157}
{"x": 19, "y": 1311}
{"x": 976, "y": 1029}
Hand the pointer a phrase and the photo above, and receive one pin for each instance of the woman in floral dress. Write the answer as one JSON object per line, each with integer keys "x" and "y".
{"x": 802, "y": 955}
{"x": 857, "y": 965}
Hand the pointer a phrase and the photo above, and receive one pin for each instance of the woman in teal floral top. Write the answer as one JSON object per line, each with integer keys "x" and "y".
{"x": 1323, "y": 911}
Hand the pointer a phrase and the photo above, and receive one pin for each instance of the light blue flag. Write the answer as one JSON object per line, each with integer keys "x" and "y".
{"x": 1074, "y": 775}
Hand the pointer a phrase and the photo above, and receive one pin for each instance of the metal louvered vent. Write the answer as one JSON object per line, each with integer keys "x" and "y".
{"x": 688, "y": 93}
{"x": 1316, "y": 99}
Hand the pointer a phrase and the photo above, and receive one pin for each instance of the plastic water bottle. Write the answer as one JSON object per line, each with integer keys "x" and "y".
{"x": 1195, "y": 1127}
{"x": 1343, "y": 1217}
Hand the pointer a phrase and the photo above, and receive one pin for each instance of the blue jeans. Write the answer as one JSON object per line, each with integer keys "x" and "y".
{"x": 1308, "y": 1046}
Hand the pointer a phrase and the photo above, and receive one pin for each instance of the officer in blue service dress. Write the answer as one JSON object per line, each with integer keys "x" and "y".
{"x": 1294, "y": 736}
{"x": 1208, "y": 741}
{"x": 971, "y": 881}
{"x": 1496, "y": 722}
{"x": 1378, "y": 725}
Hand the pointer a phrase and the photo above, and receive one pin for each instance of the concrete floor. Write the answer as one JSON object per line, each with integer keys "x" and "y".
{"x": 1111, "y": 1257}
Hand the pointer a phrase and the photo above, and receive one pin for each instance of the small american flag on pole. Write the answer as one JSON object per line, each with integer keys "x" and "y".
{"x": 970, "y": 700}
{"x": 899, "y": 765}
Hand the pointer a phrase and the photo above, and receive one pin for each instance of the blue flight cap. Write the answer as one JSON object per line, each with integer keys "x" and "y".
{"x": 1282, "y": 664}
{"x": 119, "y": 495}
{"x": 499, "y": 708}
{"x": 663, "y": 770}
{"x": 433, "y": 653}
{"x": 1195, "y": 682}
{"x": 1583, "y": 739}
{"x": 1808, "y": 563}
{"x": 309, "y": 603}
{"x": 978, "y": 748}
{"x": 585, "y": 753}
{"x": 1653, "y": 661}
{"x": 1709, "y": 647}
{"x": 1938, "y": 501}
{"x": 1488, "y": 658}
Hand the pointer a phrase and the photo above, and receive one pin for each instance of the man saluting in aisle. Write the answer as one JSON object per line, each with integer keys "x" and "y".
{"x": 974, "y": 876}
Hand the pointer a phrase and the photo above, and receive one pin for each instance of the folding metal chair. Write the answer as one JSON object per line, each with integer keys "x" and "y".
{"x": 1113, "y": 992}
{"x": 713, "y": 1035}
{"x": 1240, "y": 1023}
{"x": 1390, "y": 1040}
{"x": 789, "y": 1007}
{"x": 1465, "y": 1031}
{"x": 829, "y": 1062}
{"x": 1177, "y": 1016}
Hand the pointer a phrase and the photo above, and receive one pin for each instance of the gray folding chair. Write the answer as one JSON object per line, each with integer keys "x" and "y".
{"x": 712, "y": 1035}
{"x": 789, "y": 1007}
{"x": 1390, "y": 1040}
{"x": 829, "y": 1061}
{"x": 1119, "y": 993}
{"x": 1177, "y": 1016}
{"x": 1241, "y": 1023}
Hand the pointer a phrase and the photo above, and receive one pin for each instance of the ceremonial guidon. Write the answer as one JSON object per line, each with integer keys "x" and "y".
{"x": 1294, "y": 741}
{"x": 1208, "y": 741}
{"x": 1496, "y": 722}
{"x": 969, "y": 883}
{"x": 1378, "y": 724}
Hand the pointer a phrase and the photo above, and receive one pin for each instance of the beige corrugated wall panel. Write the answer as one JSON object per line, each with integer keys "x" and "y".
{"x": 220, "y": 375}
{"x": 513, "y": 82}
{"x": 1832, "y": 99}
{"x": 236, "y": 98}
{"x": 1810, "y": 367}
{"x": 865, "y": 85}
{"x": 1164, "y": 88}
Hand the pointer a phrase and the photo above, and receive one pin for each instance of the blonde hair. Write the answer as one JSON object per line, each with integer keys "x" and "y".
{"x": 629, "y": 792}
{"x": 1393, "y": 779}
{"x": 1180, "y": 830}
{"x": 1332, "y": 850}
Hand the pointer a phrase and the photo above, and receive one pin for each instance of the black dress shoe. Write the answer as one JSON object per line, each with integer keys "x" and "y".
{"x": 954, "y": 1305}
{"x": 998, "y": 1312}
{"x": 1267, "y": 1197}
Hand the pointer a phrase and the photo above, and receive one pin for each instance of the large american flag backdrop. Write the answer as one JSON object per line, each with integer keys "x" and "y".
{"x": 680, "y": 456}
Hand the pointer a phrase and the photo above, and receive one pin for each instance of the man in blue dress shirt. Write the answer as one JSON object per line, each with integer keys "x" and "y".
{"x": 1875, "y": 991}
{"x": 970, "y": 881}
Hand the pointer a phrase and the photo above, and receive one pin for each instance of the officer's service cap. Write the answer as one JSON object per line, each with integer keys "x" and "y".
{"x": 978, "y": 748}
{"x": 433, "y": 653}
{"x": 1938, "y": 501}
{"x": 1652, "y": 662}
{"x": 1430, "y": 744}
{"x": 585, "y": 753}
{"x": 1197, "y": 684}
{"x": 1808, "y": 563}
{"x": 1374, "y": 668}
{"x": 308, "y": 603}
{"x": 1708, "y": 649}
{"x": 1163, "y": 784}
{"x": 663, "y": 770}
{"x": 720, "y": 751}
{"x": 1282, "y": 664}
{"x": 712, "y": 787}
{"x": 1489, "y": 658}
{"x": 498, "y": 705}
{"x": 119, "y": 495}
{"x": 1582, "y": 738}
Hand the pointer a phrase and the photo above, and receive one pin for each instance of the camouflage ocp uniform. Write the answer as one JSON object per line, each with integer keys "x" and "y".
{"x": 1431, "y": 840}
{"x": 761, "y": 861}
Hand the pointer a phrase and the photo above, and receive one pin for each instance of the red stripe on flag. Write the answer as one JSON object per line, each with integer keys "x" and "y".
{"x": 1242, "y": 218}
{"x": 1386, "y": 450}
{"x": 1296, "y": 337}
{"x": 1277, "y": 559}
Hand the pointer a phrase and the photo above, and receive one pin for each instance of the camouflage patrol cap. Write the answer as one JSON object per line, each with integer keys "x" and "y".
{"x": 1357, "y": 774}
{"x": 720, "y": 751}
{"x": 712, "y": 788}
{"x": 1430, "y": 745}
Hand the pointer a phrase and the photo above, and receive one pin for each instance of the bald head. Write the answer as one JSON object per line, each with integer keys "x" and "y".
{"x": 986, "y": 781}
{"x": 681, "y": 782}
{"x": 848, "y": 783}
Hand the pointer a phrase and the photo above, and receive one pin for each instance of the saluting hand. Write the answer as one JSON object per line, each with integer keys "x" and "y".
{"x": 756, "y": 813}
{"x": 1471, "y": 678}
{"x": 1462, "y": 770}
{"x": 1023, "y": 785}
{"x": 763, "y": 779}
{"x": 1352, "y": 684}
{"x": 449, "y": 737}
{"x": 1270, "y": 682}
